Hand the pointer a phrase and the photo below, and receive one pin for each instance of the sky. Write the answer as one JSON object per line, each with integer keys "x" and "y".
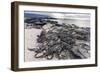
{"x": 79, "y": 16}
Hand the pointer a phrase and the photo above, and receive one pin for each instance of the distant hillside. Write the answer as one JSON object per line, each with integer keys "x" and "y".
{"x": 31, "y": 15}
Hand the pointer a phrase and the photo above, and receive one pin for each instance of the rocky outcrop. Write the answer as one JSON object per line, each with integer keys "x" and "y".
{"x": 66, "y": 41}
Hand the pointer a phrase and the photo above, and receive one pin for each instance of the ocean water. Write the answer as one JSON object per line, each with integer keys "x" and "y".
{"x": 78, "y": 22}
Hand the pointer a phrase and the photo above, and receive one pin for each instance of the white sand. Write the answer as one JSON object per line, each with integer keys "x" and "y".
{"x": 30, "y": 42}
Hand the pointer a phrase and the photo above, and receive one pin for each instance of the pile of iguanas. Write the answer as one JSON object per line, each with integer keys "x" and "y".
{"x": 66, "y": 41}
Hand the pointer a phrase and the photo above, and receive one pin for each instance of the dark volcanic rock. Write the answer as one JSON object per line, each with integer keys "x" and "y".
{"x": 63, "y": 42}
